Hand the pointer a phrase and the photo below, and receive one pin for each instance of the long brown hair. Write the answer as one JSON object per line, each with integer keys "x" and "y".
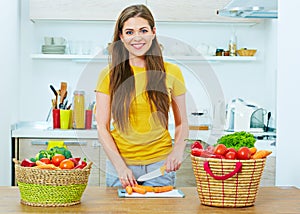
{"x": 122, "y": 82}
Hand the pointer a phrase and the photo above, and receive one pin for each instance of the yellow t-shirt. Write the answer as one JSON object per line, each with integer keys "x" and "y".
{"x": 146, "y": 140}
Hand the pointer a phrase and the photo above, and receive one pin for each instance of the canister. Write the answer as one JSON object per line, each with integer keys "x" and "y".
{"x": 219, "y": 52}
{"x": 78, "y": 110}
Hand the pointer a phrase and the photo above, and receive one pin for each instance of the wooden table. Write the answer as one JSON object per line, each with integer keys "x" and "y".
{"x": 269, "y": 200}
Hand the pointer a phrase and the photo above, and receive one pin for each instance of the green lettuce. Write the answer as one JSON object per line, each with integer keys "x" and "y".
{"x": 237, "y": 140}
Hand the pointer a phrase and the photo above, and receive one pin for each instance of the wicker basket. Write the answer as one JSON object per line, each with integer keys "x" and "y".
{"x": 51, "y": 188}
{"x": 227, "y": 183}
{"x": 246, "y": 52}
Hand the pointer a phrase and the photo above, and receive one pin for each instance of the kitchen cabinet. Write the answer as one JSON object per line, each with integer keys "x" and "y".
{"x": 29, "y": 138}
{"x": 91, "y": 150}
{"x": 84, "y": 148}
{"x": 85, "y": 10}
{"x": 108, "y": 10}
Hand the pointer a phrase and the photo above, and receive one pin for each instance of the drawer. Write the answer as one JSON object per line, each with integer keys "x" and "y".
{"x": 103, "y": 158}
{"x": 268, "y": 176}
{"x": 94, "y": 178}
{"x": 89, "y": 149}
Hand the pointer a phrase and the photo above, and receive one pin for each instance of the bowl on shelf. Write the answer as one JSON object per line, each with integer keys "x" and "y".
{"x": 246, "y": 52}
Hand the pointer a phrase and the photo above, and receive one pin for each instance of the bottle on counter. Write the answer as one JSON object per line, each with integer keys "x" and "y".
{"x": 232, "y": 45}
{"x": 78, "y": 110}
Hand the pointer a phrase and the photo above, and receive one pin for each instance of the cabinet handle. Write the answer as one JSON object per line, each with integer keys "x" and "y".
{"x": 73, "y": 143}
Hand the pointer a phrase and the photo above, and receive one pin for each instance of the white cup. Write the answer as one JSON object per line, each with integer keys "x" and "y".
{"x": 48, "y": 40}
{"x": 59, "y": 40}
{"x": 73, "y": 47}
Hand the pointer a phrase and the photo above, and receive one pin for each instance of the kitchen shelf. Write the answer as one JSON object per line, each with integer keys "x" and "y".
{"x": 67, "y": 56}
{"x": 169, "y": 58}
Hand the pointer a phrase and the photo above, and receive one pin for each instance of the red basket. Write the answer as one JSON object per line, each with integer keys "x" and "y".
{"x": 227, "y": 183}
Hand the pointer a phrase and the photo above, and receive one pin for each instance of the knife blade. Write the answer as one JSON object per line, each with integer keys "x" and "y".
{"x": 156, "y": 173}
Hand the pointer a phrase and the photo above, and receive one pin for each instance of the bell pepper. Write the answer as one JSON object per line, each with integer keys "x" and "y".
{"x": 32, "y": 159}
{"x": 75, "y": 161}
{"x": 81, "y": 164}
{"x": 27, "y": 163}
{"x": 42, "y": 154}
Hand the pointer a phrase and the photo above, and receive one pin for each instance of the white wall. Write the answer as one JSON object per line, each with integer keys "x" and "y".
{"x": 253, "y": 81}
{"x": 9, "y": 67}
{"x": 288, "y": 102}
{"x": 237, "y": 79}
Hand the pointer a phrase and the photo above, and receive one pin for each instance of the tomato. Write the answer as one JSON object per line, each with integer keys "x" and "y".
{"x": 230, "y": 155}
{"x": 218, "y": 156}
{"x": 66, "y": 164}
{"x": 197, "y": 144}
{"x": 244, "y": 153}
{"x": 196, "y": 152}
{"x": 231, "y": 150}
{"x": 56, "y": 159}
{"x": 220, "y": 149}
{"x": 45, "y": 160}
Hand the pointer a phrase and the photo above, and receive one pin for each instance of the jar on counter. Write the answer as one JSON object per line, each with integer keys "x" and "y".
{"x": 219, "y": 52}
{"x": 78, "y": 110}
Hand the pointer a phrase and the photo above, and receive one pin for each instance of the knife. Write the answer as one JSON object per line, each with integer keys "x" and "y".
{"x": 156, "y": 173}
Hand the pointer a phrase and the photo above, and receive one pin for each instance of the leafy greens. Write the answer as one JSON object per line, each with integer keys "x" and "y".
{"x": 237, "y": 140}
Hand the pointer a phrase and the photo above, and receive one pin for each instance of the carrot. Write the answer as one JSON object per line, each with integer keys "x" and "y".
{"x": 261, "y": 154}
{"x": 147, "y": 188}
{"x": 139, "y": 190}
{"x": 162, "y": 189}
{"x": 253, "y": 150}
{"x": 39, "y": 163}
{"x": 129, "y": 190}
{"x": 42, "y": 165}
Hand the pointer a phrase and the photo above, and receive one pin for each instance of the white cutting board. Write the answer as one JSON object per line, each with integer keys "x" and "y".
{"x": 175, "y": 193}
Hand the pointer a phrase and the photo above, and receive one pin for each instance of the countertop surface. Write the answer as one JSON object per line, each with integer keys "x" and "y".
{"x": 41, "y": 129}
{"x": 270, "y": 200}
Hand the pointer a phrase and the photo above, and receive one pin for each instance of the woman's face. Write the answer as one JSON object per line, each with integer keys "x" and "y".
{"x": 137, "y": 36}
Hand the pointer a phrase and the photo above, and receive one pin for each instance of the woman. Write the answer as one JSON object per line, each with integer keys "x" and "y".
{"x": 137, "y": 90}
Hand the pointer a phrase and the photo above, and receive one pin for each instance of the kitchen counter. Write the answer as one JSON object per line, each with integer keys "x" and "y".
{"x": 270, "y": 200}
{"x": 41, "y": 129}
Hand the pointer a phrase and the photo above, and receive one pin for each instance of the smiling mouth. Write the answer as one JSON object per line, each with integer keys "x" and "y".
{"x": 138, "y": 46}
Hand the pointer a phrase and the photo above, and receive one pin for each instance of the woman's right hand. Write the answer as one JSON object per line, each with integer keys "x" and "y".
{"x": 126, "y": 177}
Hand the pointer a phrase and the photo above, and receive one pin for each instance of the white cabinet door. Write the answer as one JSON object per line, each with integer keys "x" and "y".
{"x": 190, "y": 10}
{"x": 78, "y": 9}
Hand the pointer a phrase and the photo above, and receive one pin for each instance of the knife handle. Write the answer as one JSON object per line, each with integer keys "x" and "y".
{"x": 162, "y": 169}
